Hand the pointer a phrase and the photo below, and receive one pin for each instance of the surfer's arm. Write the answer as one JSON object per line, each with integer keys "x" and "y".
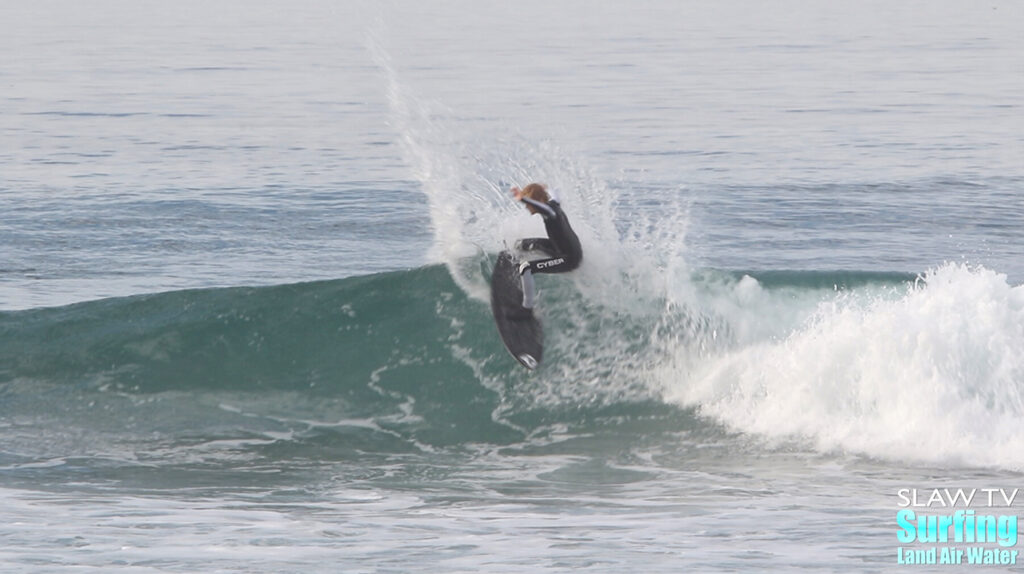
{"x": 544, "y": 209}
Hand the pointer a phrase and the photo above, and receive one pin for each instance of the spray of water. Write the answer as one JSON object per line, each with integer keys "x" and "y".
{"x": 601, "y": 319}
{"x": 929, "y": 372}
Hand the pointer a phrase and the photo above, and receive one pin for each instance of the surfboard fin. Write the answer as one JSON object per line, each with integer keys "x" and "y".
{"x": 528, "y": 361}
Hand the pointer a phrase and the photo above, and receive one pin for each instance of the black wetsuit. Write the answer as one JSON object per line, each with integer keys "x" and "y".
{"x": 561, "y": 245}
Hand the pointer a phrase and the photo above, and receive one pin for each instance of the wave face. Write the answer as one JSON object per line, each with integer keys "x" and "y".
{"x": 369, "y": 347}
{"x": 386, "y": 363}
{"x": 886, "y": 365}
{"x": 312, "y": 336}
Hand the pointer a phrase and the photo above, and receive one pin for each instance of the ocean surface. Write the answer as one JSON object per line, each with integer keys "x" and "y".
{"x": 245, "y": 249}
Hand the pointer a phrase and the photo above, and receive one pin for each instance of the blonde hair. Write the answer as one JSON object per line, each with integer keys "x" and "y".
{"x": 536, "y": 192}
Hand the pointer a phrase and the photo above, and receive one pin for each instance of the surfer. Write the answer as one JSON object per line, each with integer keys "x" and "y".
{"x": 561, "y": 247}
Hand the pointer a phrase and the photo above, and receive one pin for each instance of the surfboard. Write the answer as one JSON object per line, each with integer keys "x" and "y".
{"x": 519, "y": 328}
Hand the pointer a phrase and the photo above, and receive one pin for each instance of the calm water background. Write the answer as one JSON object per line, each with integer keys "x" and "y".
{"x": 152, "y": 147}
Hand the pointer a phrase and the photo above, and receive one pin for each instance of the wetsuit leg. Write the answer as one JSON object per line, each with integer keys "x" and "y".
{"x": 556, "y": 264}
{"x": 541, "y": 244}
{"x": 537, "y": 244}
{"x": 526, "y": 276}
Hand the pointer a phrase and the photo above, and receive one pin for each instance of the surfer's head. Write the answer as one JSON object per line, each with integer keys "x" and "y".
{"x": 536, "y": 192}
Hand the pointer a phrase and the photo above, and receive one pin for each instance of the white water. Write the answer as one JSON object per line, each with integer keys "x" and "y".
{"x": 931, "y": 373}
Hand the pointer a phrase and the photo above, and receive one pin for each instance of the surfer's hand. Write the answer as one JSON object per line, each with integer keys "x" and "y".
{"x": 517, "y": 193}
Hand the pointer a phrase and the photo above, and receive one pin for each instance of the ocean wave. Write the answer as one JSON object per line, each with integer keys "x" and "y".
{"x": 891, "y": 365}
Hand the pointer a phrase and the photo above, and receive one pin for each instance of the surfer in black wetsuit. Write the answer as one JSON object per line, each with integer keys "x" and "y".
{"x": 561, "y": 246}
